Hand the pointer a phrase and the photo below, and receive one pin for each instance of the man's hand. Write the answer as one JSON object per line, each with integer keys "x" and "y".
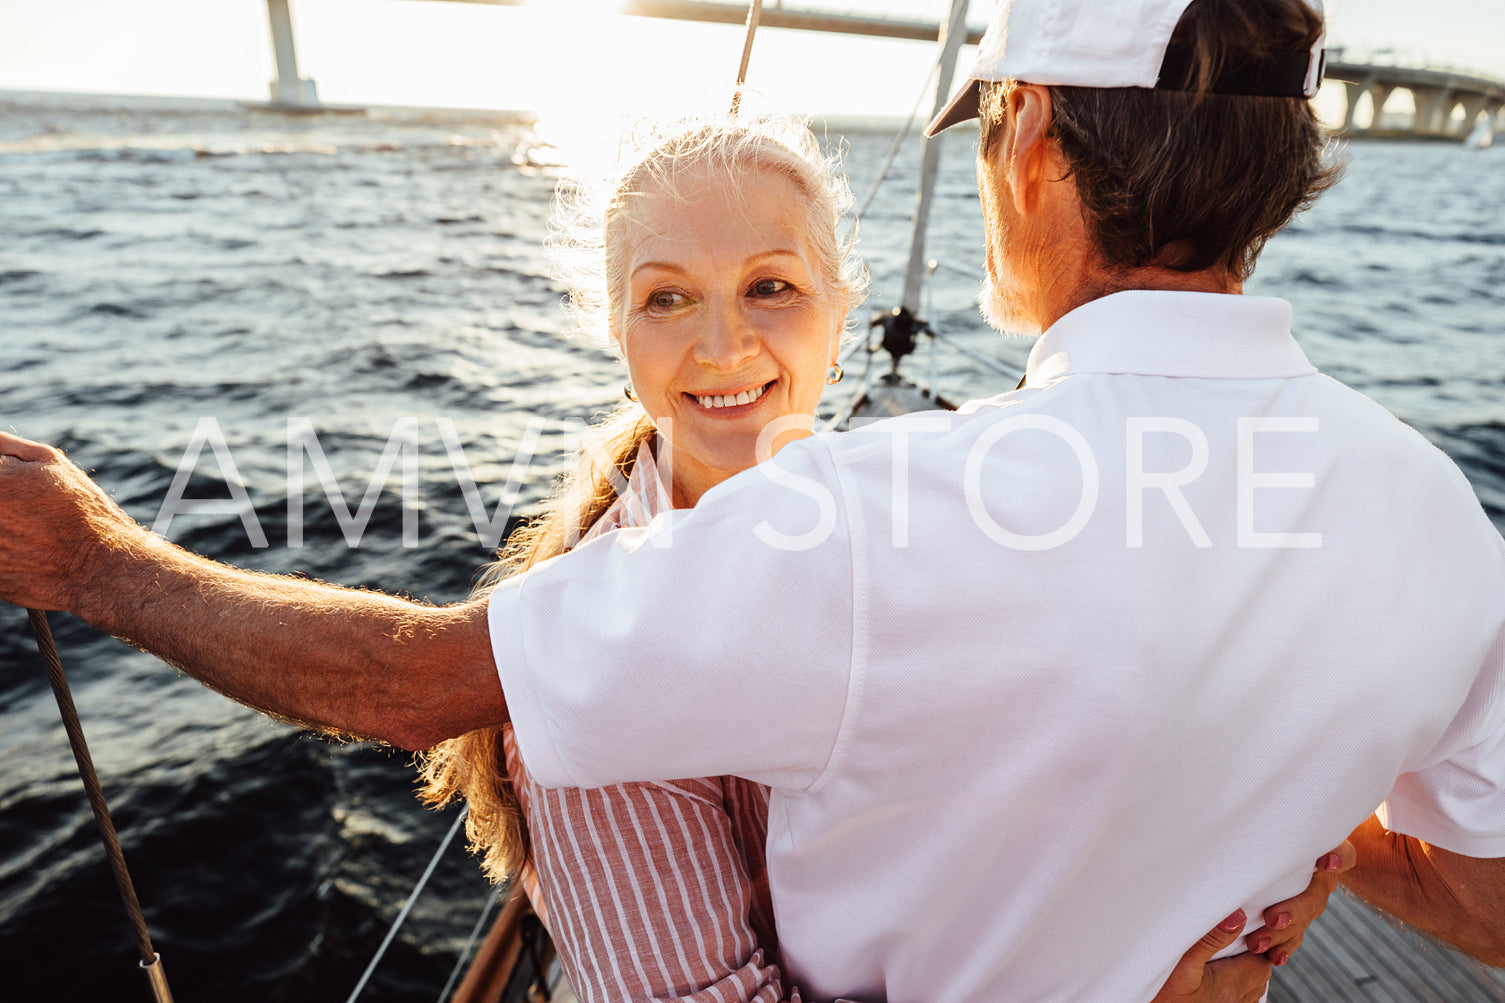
{"x": 1243, "y": 978}
{"x": 54, "y": 524}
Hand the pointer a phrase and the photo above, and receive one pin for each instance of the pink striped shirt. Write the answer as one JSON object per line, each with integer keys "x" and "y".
{"x": 653, "y": 891}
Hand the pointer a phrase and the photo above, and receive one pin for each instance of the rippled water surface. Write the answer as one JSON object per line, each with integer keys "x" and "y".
{"x": 161, "y": 268}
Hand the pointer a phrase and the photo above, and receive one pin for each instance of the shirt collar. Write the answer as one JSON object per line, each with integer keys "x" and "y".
{"x": 1162, "y": 333}
{"x": 645, "y": 496}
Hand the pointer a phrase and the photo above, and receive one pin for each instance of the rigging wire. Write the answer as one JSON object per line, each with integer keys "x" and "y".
{"x": 867, "y": 200}
{"x": 898, "y": 142}
{"x": 475, "y": 935}
{"x": 754, "y": 15}
{"x": 1002, "y": 368}
{"x": 407, "y": 906}
{"x": 151, "y": 962}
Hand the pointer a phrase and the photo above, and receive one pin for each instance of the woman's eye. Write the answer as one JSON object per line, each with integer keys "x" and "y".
{"x": 770, "y": 287}
{"x": 663, "y": 299}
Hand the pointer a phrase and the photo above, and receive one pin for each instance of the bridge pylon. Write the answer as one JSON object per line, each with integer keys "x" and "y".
{"x": 289, "y": 90}
{"x": 1432, "y": 107}
{"x": 1378, "y": 93}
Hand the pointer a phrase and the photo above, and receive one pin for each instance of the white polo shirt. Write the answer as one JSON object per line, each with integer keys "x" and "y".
{"x": 1049, "y": 687}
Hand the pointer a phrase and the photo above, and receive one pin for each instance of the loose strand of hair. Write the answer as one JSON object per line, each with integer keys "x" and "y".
{"x": 473, "y": 766}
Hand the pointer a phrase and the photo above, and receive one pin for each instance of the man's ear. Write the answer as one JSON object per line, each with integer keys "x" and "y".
{"x": 1028, "y": 155}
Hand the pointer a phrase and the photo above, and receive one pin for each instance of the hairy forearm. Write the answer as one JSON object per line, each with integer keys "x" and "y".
{"x": 357, "y": 662}
{"x": 352, "y": 661}
{"x": 1457, "y": 899}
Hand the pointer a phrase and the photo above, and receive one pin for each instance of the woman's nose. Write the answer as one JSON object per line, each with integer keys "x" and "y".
{"x": 727, "y": 340}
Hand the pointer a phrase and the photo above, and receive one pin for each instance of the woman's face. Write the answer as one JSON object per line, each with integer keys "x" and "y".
{"x": 726, "y": 319}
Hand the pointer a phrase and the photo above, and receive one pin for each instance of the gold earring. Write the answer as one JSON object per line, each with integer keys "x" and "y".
{"x": 629, "y": 393}
{"x": 833, "y": 375}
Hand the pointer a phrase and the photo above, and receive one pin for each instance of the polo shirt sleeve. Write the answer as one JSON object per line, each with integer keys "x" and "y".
{"x": 1459, "y": 803}
{"x": 1457, "y": 800}
{"x": 717, "y": 640}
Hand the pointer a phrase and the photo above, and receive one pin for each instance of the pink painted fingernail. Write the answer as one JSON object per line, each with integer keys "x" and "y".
{"x": 1280, "y": 957}
{"x": 1261, "y": 945}
{"x": 1282, "y": 920}
{"x": 1332, "y": 862}
{"x": 1233, "y": 923}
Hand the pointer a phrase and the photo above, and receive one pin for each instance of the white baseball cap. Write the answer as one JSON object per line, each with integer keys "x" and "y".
{"x": 1119, "y": 43}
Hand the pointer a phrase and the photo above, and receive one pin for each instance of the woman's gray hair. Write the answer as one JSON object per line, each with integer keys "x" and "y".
{"x": 590, "y": 212}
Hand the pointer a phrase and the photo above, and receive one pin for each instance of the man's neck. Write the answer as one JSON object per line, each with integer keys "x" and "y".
{"x": 1095, "y": 283}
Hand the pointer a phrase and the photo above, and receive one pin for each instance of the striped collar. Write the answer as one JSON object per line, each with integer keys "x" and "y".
{"x": 645, "y": 496}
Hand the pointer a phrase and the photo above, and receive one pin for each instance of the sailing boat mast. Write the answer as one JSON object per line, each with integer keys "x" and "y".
{"x": 953, "y": 34}
{"x": 891, "y": 394}
{"x": 902, "y": 325}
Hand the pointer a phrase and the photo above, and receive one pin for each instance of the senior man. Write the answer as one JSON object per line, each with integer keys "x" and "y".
{"x": 1156, "y": 629}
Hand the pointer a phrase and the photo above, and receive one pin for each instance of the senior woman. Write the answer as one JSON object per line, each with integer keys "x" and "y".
{"x": 713, "y": 262}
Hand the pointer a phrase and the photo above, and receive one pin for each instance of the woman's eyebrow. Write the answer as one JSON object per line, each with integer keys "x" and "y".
{"x": 760, "y": 257}
{"x": 780, "y": 252}
{"x": 660, "y": 266}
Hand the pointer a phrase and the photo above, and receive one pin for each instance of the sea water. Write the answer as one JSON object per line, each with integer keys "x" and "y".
{"x": 203, "y": 275}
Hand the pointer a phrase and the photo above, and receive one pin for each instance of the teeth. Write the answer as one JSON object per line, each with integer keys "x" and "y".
{"x": 731, "y": 400}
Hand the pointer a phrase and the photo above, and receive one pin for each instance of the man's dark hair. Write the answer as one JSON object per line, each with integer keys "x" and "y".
{"x": 1188, "y": 179}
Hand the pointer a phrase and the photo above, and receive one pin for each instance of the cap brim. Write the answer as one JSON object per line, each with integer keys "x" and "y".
{"x": 962, "y": 108}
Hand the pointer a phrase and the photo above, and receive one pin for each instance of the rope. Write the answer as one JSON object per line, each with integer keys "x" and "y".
{"x": 92, "y": 788}
{"x": 475, "y": 934}
{"x": 754, "y": 15}
{"x": 407, "y": 906}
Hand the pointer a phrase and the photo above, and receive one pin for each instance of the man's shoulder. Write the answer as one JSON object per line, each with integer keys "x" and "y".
{"x": 1367, "y": 421}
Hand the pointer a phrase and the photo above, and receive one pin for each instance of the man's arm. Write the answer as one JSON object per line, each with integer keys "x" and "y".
{"x": 1457, "y": 899}
{"x": 358, "y": 662}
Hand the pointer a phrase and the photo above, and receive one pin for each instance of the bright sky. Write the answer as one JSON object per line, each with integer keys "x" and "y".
{"x": 567, "y": 55}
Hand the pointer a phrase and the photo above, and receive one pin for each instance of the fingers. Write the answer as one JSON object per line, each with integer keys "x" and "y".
{"x": 1341, "y": 859}
{"x": 1189, "y": 980}
{"x": 1217, "y": 938}
{"x": 54, "y": 524}
{"x": 1286, "y": 922}
{"x": 25, "y": 449}
{"x": 1243, "y": 977}
{"x": 1277, "y": 949}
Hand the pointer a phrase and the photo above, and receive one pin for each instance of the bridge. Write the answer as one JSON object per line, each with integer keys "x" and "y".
{"x": 290, "y": 91}
{"x": 1447, "y": 103}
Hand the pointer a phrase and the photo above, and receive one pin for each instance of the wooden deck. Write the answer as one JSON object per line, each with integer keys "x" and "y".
{"x": 1353, "y": 953}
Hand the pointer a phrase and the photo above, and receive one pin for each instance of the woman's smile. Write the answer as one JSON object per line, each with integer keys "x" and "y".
{"x": 731, "y": 403}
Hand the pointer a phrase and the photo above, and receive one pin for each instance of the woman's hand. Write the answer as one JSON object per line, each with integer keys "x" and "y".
{"x": 1286, "y": 922}
{"x": 1243, "y": 978}
{"x": 1198, "y": 979}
